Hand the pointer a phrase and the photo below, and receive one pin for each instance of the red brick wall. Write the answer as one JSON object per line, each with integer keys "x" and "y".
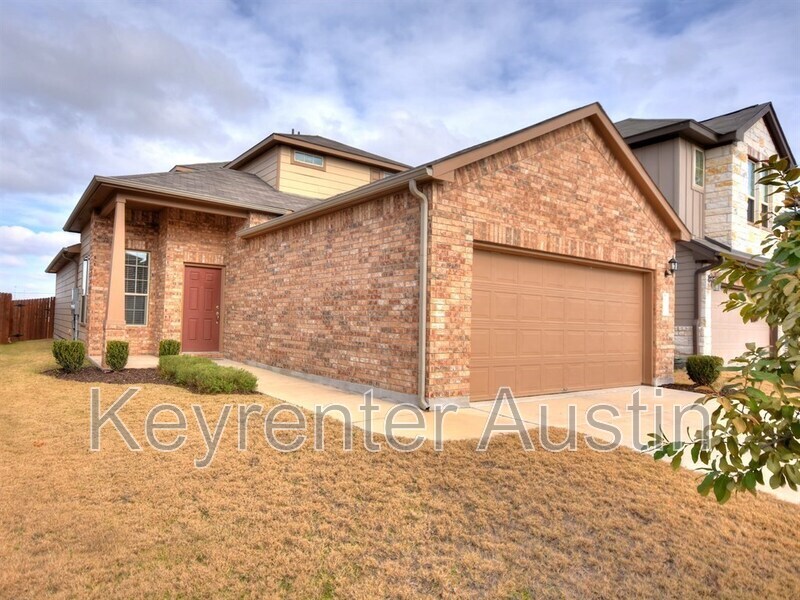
{"x": 563, "y": 193}
{"x": 173, "y": 237}
{"x": 335, "y": 296}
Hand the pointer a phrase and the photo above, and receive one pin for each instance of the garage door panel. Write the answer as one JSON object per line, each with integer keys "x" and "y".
{"x": 575, "y": 310}
{"x": 501, "y": 376}
{"x": 553, "y": 326}
{"x": 575, "y": 343}
{"x": 530, "y": 342}
{"x": 504, "y": 343}
{"x": 505, "y": 306}
{"x": 481, "y": 341}
{"x": 481, "y": 304}
{"x": 553, "y": 309}
{"x": 530, "y": 307}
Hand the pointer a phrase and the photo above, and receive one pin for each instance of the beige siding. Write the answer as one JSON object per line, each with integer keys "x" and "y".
{"x": 338, "y": 176}
{"x": 691, "y": 197}
{"x": 265, "y": 167}
{"x": 684, "y": 287}
{"x": 65, "y": 281}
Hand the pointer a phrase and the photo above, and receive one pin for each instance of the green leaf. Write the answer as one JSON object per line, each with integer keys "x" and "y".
{"x": 708, "y": 482}
{"x": 676, "y": 461}
{"x": 721, "y": 487}
{"x": 749, "y": 480}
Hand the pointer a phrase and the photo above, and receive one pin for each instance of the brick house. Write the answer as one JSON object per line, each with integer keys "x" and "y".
{"x": 706, "y": 170}
{"x": 538, "y": 260}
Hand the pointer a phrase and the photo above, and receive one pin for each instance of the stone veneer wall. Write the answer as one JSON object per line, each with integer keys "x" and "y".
{"x": 726, "y": 190}
{"x": 563, "y": 193}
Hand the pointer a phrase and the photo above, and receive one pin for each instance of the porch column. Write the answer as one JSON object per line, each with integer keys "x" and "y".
{"x": 115, "y": 311}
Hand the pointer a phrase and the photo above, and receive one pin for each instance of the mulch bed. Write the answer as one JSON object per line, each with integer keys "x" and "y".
{"x": 126, "y": 376}
{"x": 686, "y": 387}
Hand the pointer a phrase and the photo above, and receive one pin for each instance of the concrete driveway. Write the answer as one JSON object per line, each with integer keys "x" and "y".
{"x": 571, "y": 411}
{"x": 632, "y": 412}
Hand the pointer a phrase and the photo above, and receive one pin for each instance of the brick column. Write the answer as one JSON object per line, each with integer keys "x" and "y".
{"x": 114, "y": 328}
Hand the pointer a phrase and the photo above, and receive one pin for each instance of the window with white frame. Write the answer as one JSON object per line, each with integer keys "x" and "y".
{"x": 752, "y": 217}
{"x": 84, "y": 288}
{"x": 137, "y": 286}
{"x": 699, "y": 167}
{"x": 313, "y": 160}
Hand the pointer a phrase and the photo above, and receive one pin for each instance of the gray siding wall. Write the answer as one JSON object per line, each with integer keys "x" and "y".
{"x": 62, "y": 321}
{"x": 660, "y": 162}
{"x": 670, "y": 165}
{"x": 684, "y": 287}
{"x": 692, "y": 198}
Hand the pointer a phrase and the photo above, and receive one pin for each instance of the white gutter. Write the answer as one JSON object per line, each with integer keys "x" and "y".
{"x": 423, "y": 292}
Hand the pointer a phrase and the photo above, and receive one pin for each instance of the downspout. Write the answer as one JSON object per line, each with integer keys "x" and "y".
{"x": 423, "y": 292}
{"x": 74, "y": 312}
{"x": 698, "y": 289}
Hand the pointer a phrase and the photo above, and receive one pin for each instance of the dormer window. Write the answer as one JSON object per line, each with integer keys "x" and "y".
{"x": 699, "y": 168}
{"x": 306, "y": 158}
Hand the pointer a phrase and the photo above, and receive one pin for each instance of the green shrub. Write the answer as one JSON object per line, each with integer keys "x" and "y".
{"x": 69, "y": 354}
{"x": 116, "y": 355}
{"x": 169, "y": 348}
{"x": 205, "y": 376}
{"x": 704, "y": 369}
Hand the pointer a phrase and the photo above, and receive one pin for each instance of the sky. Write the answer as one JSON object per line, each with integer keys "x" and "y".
{"x": 116, "y": 87}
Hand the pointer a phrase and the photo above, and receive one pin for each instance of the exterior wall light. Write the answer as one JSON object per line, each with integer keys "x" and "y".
{"x": 672, "y": 266}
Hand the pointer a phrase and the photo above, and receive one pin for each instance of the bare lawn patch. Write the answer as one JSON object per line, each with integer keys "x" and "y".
{"x": 335, "y": 524}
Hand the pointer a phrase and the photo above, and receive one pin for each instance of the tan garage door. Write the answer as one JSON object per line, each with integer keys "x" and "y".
{"x": 728, "y": 334}
{"x": 542, "y": 326}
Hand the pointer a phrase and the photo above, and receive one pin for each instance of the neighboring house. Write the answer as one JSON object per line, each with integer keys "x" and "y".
{"x": 540, "y": 258}
{"x": 706, "y": 170}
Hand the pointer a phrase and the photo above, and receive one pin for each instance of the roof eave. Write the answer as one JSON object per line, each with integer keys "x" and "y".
{"x": 60, "y": 259}
{"x": 690, "y": 129}
{"x": 99, "y": 181}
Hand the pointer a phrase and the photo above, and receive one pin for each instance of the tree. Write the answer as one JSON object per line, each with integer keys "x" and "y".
{"x": 755, "y": 421}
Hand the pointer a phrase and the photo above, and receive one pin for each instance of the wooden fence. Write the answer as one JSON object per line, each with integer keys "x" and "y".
{"x": 22, "y": 320}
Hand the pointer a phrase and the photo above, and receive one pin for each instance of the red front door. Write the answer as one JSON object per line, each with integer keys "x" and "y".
{"x": 202, "y": 294}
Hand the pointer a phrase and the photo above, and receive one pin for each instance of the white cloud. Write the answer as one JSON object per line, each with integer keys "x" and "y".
{"x": 111, "y": 88}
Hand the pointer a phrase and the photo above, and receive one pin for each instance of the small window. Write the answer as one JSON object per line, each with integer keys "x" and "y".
{"x": 84, "y": 288}
{"x": 137, "y": 284}
{"x": 751, "y": 191}
{"x": 699, "y": 167}
{"x": 765, "y": 205}
{"x": 305, "y": 158}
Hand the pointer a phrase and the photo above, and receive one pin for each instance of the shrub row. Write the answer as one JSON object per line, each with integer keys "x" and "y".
{"x": 205, "y": 376}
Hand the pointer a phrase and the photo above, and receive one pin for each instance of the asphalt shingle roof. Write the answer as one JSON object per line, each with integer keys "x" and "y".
{"x": 334, "y": 145}
{"x": 631, "y": 127}
{"x": 243, "y": 189}
{"x": 733, "y": 121}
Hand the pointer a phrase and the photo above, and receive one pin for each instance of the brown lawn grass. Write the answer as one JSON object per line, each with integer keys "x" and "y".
{"x": 455, "y": 524}
{"x": 724, "y": 377}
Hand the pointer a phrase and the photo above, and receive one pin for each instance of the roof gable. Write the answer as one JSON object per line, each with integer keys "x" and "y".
{"x": 318, "y": 144}
{"x": 443, "y": 169}
{"x": 715, "y": 131}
